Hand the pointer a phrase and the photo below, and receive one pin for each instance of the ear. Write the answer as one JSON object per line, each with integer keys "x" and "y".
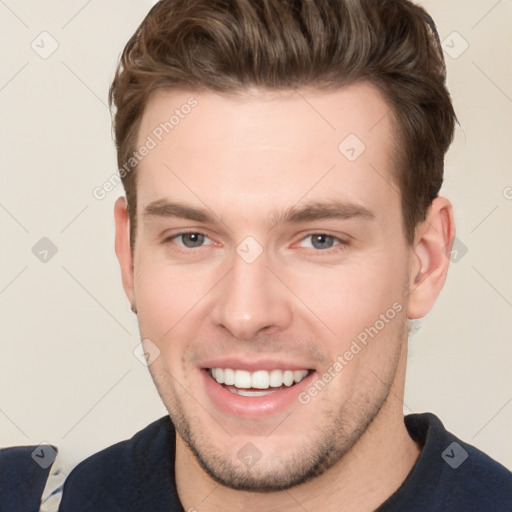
{"x": 430, "y": 257}
{"x": 123, "y": 250}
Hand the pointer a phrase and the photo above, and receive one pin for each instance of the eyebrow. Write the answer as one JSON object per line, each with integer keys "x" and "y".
{"x": 163, "y": 208}
{"x": 311, "y": 211}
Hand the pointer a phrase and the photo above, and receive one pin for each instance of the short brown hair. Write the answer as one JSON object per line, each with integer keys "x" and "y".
{"x": 230, "y": 45}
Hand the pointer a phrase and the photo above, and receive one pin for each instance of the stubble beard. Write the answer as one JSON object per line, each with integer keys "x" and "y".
{"x": 325, "y": 445}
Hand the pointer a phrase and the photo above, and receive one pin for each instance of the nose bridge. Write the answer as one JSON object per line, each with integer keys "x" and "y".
{"x": 251, "y": 298}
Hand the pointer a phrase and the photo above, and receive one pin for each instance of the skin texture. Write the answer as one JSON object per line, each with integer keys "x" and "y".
{"x": 246, "y": 159}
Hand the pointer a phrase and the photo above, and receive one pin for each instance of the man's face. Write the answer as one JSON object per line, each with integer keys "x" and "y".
{"x": 293, "y": 259}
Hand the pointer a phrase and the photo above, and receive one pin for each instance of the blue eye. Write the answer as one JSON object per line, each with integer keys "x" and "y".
{"x": 190, "y": 239}
{"x": 321, "y": 241}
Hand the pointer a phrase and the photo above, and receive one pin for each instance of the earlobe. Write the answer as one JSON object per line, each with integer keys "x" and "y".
{"x": 430, "y": 257}
{"x": 123, "y": 249}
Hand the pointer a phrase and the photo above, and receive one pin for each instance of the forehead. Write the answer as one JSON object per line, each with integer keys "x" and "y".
{"x": 260, "y": 148}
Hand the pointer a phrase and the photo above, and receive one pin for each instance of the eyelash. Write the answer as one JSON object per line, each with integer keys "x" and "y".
{"x": 184, "y": 249}
{"x": 341, "y": 245}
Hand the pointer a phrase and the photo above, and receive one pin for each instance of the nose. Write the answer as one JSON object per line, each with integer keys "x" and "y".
{"x": 250, "y": 299}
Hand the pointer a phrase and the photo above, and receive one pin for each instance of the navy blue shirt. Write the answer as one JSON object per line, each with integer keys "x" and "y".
{"x": 22, "y": 479}
{"x": 138, "y": 475}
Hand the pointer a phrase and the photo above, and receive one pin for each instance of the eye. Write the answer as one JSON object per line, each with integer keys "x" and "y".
{"x": 190, "y": 240}
{"x": 321, "y": 241}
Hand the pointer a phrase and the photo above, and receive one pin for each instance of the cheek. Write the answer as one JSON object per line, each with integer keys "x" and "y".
{"x": 167, "y": 297}
{"x": 351, "y": 297}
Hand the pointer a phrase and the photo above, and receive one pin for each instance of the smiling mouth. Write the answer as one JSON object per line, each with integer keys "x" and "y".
{"x": 257, "y": 383}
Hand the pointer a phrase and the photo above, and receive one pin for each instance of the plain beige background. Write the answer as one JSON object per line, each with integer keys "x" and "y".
{"x": 67, "y": 370}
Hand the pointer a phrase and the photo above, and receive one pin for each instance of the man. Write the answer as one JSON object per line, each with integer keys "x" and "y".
{"x": 282, "y": 162}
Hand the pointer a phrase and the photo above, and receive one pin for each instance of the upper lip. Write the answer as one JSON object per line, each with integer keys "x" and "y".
{"x": 253, "y": 365}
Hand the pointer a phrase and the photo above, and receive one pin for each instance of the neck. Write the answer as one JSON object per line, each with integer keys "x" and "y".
{"x": 364, "y": 478}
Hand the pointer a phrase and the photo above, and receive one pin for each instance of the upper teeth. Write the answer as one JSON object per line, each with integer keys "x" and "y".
{"x": 260, "y": 379}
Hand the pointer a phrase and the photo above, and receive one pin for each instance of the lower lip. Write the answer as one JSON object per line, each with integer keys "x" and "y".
{"x": 257, "y": 406}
